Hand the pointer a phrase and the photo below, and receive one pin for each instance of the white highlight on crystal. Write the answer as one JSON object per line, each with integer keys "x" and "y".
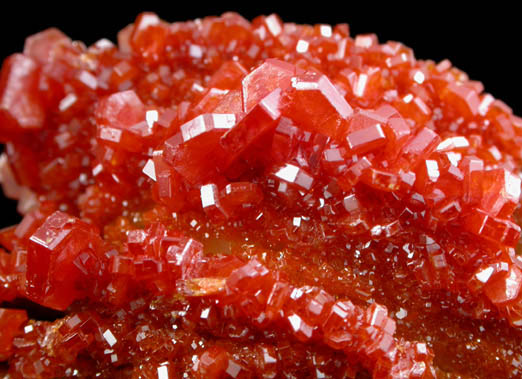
{"x": 195, "y": 51}
{"x": 224, "y": 120}
{"x": 419, "y": 77}
{"x": 104, "y": 43}
{"x": 421, "y": 348}
{"x": 512, "y": 186}
{"x": 302, "y": 46}
{"x": 67, "y": 102}
{"x": 361, "y": 85}
{"x": 97, "y": 169}
{"x": 109, "y": 337}
{"x": 363, "y": 41}
{"x": 453, "y": 143}
{"x": 295, "y": 322}
{"x": 88, "y": 79}
{"x": 304, "y": 86}
{"x": 207, "y": 195}
{"x": 402, "y": 313}
{"x": 326, "y": 31}
{"x": 273, "y": 25}
{"x": 408, "y": 98}
{"x": 485, "y": 103}
{"x": 163, "y": 372}
{"x": 204, "y": 313}
{"x": 151, "y": 117}
{"x": 484, "y": 275}
{"x": 493, "y": 150}
{"x": 288, "y": 173}
{"x": 433, "y": 169}
{"x": 149, "y": 169}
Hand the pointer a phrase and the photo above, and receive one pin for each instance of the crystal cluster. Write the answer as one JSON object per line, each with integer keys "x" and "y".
{"x": 224, "y": 198}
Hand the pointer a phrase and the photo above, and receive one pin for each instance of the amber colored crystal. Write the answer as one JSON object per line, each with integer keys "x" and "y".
{"x": 223, "y": 198}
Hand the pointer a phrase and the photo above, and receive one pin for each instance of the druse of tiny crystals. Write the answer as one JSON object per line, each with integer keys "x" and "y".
{"x": 221, "y": 198}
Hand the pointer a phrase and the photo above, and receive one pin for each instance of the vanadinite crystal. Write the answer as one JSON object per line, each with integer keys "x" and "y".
{"x": 222, "y": 198}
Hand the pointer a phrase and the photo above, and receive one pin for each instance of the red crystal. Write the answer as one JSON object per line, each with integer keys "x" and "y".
{"x": 11, "y": 321}
{"x": 20, "y": 106}
{"x": 225, "y": 198}
{"x": 63, "y": 261}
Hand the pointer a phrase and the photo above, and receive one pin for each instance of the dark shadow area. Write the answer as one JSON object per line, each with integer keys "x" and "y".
{"x": 8, "y": 213}
{"x": 34, "y": 311}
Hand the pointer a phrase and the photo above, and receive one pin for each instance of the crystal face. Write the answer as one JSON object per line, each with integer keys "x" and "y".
{"x": 232, "y": 198}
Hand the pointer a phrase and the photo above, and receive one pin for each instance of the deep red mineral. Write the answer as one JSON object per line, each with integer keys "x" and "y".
{"x": 223, "y": 198}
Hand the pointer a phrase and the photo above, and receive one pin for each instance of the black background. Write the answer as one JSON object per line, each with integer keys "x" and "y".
{"x": 484, "y": 40}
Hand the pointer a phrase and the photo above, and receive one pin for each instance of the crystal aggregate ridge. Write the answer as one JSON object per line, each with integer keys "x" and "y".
{"x": 225, "y": 198}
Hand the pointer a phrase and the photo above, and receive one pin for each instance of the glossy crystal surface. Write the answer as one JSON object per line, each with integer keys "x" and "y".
{"x": 223, "y": 198}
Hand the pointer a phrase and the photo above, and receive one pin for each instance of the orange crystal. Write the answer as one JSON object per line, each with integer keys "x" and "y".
{"x": 225, "y": 198}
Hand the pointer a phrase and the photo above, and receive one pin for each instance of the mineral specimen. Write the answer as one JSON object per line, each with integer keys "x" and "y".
{"x": 224, "y": 198}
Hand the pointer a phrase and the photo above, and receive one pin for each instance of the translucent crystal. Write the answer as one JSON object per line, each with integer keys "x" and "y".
{"x": 233, "y": 198}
